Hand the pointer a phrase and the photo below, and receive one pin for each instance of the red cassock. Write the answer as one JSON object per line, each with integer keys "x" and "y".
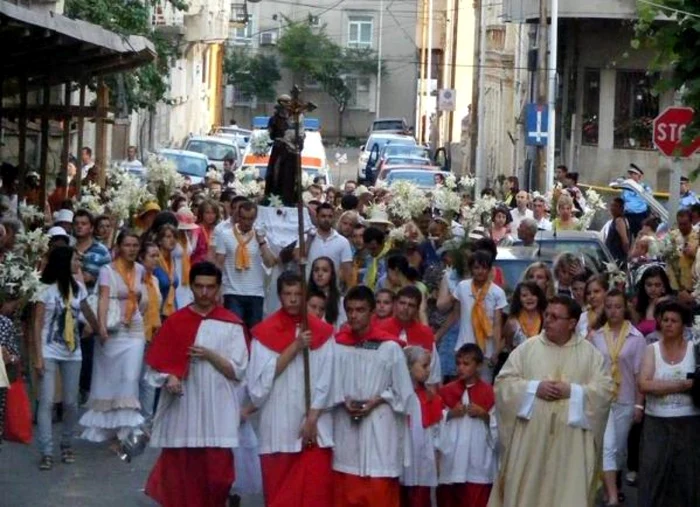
{"x": 188, "y": 476}
{"x": 295, "y": 479}
{"x": 417, "y": 333}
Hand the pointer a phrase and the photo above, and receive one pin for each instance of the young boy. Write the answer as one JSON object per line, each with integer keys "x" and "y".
{"x": 316, "y": 304}
{"x": 566, "y": 267}
{"x": 467, "y": 445}
{"x": 385, "y": 305}
{"x": 578, "y": 288}
{"x": 481, "y": 304}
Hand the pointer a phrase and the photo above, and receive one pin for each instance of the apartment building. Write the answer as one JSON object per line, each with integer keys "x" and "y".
{"x": 386, "y": 27}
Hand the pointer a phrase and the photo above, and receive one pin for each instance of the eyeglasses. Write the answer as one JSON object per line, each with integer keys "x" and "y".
{"x": 552, "y": 316}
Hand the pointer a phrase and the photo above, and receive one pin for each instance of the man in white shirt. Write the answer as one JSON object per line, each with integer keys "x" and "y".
{"x": 132, "y": 163}
{"x": 295, "y": 445}
{"x": 372, "y": 388}
{"x": 539, "y": 213}
{"x": 86, "y": 162}
{"x": 243, "y": 254}
{"x": 330, "y": 243}
{"x": 521, "y": 211}
{"x": 198, "y": 357}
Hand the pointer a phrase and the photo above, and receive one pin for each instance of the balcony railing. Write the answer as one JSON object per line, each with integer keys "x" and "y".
{"x": 164, "y": 14}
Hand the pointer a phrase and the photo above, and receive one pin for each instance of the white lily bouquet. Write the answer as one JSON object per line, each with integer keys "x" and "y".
{"x": 594, "y": 203}
{"x": 19, "y": 279}
{"x": 260, "y": 143}
{"x": 163, "y": 178}
{"x": 91, "y": 200}
{"x": 246, "y": 184}
{"x": 407, "y": 200}
{"x": 478, "y": 214}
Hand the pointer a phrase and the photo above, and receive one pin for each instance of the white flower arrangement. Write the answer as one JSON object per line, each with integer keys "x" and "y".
{"x": 18, "y": 279}
{"x": 594, "y": 203}
{"x": 214, "y": 175}
{"x": 91, "y": 200}
{"x": 32, "y": 245}
{"x": 260, "y": 143}
{"x": 162, "y": 175}
{"x": 397, "y": 235}
{"x": 446, "y": 200}
{"x": 245, "y": 182}
{"x": 407, "y": 200}
{"x": 126, "y": 193}
{"x": 467, "y": 181}
{"x": 30, "y": 214}
{"x": 478, "y": 214}
{"x": 276, "y": 201}
{"x": 615, "y": 275}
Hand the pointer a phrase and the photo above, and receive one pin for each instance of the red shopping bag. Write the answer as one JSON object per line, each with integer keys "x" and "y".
{"x": 18, "y": 414}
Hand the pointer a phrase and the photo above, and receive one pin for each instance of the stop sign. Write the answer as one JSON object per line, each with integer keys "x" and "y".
{"x": 669, "y": 127}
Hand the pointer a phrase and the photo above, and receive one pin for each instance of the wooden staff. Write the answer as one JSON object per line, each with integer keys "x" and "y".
{"x": 296, "y": 108}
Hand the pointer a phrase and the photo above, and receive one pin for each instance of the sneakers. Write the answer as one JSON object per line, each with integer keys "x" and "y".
{"x": 46, "y": 463}
{"x": 67, "y": 456}
{"x": 631, "y": 478}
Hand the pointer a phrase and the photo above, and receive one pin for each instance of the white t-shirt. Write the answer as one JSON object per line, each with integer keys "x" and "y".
{"x": 335, "y": 246}
{"x": 517, "y": 218}
{"x": 544, "y": 224}
{"x": 495, "y": 300}
{"x": 247, "y": 282}
{"x": 52, "y": 337}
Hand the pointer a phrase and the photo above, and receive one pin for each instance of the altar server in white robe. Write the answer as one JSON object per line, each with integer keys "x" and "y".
{"x": 372, "y": 388}
{"x": 198, "y": 357}
{"x": 295, "y": 446}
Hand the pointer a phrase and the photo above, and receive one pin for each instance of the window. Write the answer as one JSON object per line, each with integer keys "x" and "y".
{"x": 360, "y": 30}
{"x": 240, "y": 98}
{"x": 496, "y": 39}
{"x": 591, "y": 106}
{"x": 360, "y": 92}
{"x": 636, "y": 106}
{"x": 242, "y": 35}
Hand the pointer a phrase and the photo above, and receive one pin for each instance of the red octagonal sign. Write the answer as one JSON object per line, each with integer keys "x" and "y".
{"x": 669, "y": 127}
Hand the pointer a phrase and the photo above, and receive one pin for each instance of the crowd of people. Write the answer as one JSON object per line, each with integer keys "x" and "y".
{"x": 373, "y": 369}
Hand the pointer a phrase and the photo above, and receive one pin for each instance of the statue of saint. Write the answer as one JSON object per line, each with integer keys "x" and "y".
{"x": 281, "y": 176}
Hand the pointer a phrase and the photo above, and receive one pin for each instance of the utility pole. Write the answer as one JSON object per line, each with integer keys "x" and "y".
{"x": 473, "y": 162}
{"x": 378, "y": 92}
{"x": 429, "y": 101}
{"x": 552, "y": 94}
{"x": 423, "y": 47}
{"x": 542, "y": 91}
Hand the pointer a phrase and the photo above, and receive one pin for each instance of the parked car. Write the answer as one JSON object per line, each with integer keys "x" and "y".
{"x": 189, "y": 163}
{"x": 655, "y": 206}
{"x": 237, "y": 134}
{"x": 401, "y": 150}
{"x": 422, "y": 177}
{"x": 369, "y": 153}
{"x": 390, "y": 125}
{"x": 215, "y": 148}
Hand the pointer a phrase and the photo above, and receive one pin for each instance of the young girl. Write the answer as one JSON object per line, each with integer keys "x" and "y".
{"x": 468, "y": 435}
{"x": 566, "y": 267}
{"x": 323, "y": 279}
{"x": 316, "y": 304}
{"x": 652, "y": 286}
{"x": 622, "y": 346}
{"x": 540, "y": 273}
{"x": 499, "y": 230}
{"x": 57, "y": 348}
{"x": 578, "y": 288}
{"x": 596, "y": 288}
{"x": 526, "y": 314}
{"x": 425, "y": 414}
{"x": 385, "y": 304}
{"x": 208, "y": 216}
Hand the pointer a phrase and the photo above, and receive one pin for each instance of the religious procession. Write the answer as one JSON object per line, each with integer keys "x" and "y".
{"x": 388, "y": 253}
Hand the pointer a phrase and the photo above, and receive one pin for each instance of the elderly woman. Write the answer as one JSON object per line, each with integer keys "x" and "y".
{"x": 670, "y": 450}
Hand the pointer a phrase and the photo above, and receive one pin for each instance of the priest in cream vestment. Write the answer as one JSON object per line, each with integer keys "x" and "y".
{"x": 552, "y": 401}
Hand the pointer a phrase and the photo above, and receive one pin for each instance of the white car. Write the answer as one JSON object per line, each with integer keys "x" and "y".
{"x": 189, "y": 163}
{"x": 215, "y": 148}
{"x": 374, "y": 145}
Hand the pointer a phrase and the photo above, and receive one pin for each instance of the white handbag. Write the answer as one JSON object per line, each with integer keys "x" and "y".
{"x": 114, "y": 311}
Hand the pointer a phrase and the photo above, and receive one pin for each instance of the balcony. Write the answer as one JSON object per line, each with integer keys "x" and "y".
{"x": 207, "y": 21}
{"x": 528, "y": 10}
{"x": 167, "y": 20}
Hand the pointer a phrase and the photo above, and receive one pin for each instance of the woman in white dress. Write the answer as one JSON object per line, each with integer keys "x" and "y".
{"x": 114, "y": 408}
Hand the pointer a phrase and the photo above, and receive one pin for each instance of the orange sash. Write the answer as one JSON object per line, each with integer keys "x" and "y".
{"x": 128, "y": 274}
{"x": 152, "y": 316}
{"x": 185, "y": 244}
{"x": 483, "y": 327}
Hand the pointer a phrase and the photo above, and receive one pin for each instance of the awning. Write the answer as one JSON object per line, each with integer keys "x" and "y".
{"x": 48, "y": 47}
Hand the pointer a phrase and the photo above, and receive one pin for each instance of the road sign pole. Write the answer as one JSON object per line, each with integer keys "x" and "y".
{"x": 674, "y": 190}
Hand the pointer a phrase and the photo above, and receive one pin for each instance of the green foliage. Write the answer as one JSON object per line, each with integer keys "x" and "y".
{"x": 143, "y": 87}
{"x": 255, "y": 75}
{"x": 676, "y": 43}
{"x": 311, "y": 55}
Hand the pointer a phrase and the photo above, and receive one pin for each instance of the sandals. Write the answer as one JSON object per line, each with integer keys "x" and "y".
{"x": 46, "y": 463}
{"x": 67, "y": 456}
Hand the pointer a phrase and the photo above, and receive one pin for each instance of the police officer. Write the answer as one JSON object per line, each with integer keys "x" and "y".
{"x": 688, "y": 197}
{"x": 636, "y": 209}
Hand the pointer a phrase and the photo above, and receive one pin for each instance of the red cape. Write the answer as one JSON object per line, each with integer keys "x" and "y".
{"x": 418, "y": 334}
{"x": 480, "y": 393}
{"x": 345, "y": 336}
{"x": 168, "y": 352}
{"x": 278, "y": 331}
{"x": 430, "y": 406}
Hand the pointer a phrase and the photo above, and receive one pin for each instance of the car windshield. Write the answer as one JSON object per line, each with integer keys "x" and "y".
{"x": 590, "y": 251}
{"x": 388, "y": 125}
{"x": 191, "y": 166}
{"x": 212, "y": 149}
{"x": 406, "y": 161}
{"x": 405, "y": 150}
{"x": 423, "y": 179}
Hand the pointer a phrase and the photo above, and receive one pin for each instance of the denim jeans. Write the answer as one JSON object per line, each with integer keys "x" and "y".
{"x": 248, "y": 308}
{"x": 70, "y": 379}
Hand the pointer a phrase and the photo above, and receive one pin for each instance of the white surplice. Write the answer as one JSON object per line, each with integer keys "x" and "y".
{"x": 208, "y": 412}
{"x": 379, "y": 445}
{"x": 422, "y": 471}
{"x": 467, "y": 447}
{"x": 281, "y": 400}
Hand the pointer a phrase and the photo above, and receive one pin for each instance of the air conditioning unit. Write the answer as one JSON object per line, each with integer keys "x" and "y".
{"x": 314, "y": 20}
{"x": 268, "y": 39}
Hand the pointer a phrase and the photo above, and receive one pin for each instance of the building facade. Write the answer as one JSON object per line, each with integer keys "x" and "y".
{"x": 358, "y": 24}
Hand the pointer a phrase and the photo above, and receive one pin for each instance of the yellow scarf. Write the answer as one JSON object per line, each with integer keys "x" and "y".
{"x": 69, "y": 324}
{"x": 483, "y": 328}
{"x": 614, "y": 349}
{"x": 373, "y": 269}
{"x": 242, "y": 261}
{"x": 185, "y": 278}
{"x": 530, "y": 327}
{"x": 152, "y": 316}
{"x": 169, "y": 267}
{"x": 128, "y": 274}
